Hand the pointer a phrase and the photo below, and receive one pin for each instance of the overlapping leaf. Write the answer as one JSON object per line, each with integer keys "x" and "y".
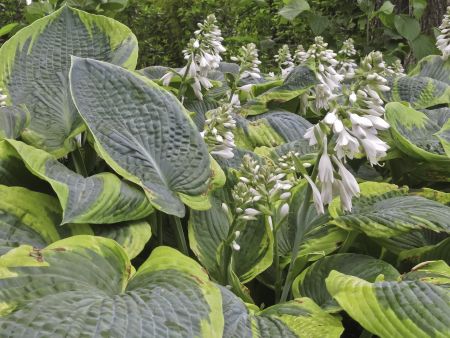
{"x": 433, "y": 66}
{"x": 13, "y": 121}
{"x": 131, "y": 235}
{"x": 32, "y": 218}
{"x": 102, "y": 198}
{"x": 209, "y": 229}
{"x": 421, "y": 135}
{"x": 393, "y": 309}
{"x": 35, "y": 67}
{"x": 420, "y": 92}
{"x": 298, "y": 318}
{"x": 84, "y": 285}
{"x": 144, "y": 134}
{"x": 394, "y": 213}
{"x": 311, "y": 282}
{"x": 299, "y": 81}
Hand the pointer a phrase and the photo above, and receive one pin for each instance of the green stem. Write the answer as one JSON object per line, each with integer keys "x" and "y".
{"x": 299, "y": 234}
{"x": 78, "y": 162}
{"x": 348, "y": 242}
{"x": 183, "y": 81}
{"x": 227, "y": 253}
{"x": 159, "y": 220}
{"x": 276, "y": 263}
{"x": 181, "y": 239}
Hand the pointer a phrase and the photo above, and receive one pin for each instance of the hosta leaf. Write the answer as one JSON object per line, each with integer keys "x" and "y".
{"x": 35, "y": 67}
{"x": 311, "y": 282}
{"x": 102, "y": 198}
{"x": 434, "y": 272}
{"x": 299, "y": 81}
{"x": 28, "y": 217}
{"x": 388, "y": 215}
{"x": 200, "y": 108}
{"x": 207, "y": 231}
{"x": 420, "y": 92}
{"x": 81, "y": 286}
{"x": 275, "y": 128}
{"x": 132, "y": 235}
{"x": 415, "y": 132}
{"x": 143, "y": 133}
{"x": 440, "y": 250}
{"x": 301, "y": 146}
{"x": 433, "y": 66}
{"x": 13, "y": 121}
{"x": 298, "y": 318}
{"x": 393, "y": 309}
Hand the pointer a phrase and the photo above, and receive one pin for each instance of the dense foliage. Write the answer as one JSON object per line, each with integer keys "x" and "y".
{"x": 308, "y": 201}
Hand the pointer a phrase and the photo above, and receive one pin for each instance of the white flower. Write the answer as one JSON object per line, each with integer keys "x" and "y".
{"x": 218, "y": 133}
{"x": 284, "y": 60}
{"x": 348, "y": 180}
{"x": 346, "y": 145}
{"x": 252, "y": 212}
{"x": 442, "y": 41}
{"x": 202, "y": 54}
{"x": 316, "y": 196}
{"x": 2, "y": 98}
{"x": 248, "y": 61}
{"x": 235, "y": 246}
{"x": 284, "y": 210}
{"x": 374, "y": 148}
{"x": 313, "y": 134}
{"x": 326, "y": 171}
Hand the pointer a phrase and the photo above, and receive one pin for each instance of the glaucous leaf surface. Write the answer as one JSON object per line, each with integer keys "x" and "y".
{"x": 32, "y": 218}
{"x": 209, "y": 229}
{"x": 102, "y": 198}
{"x": 299, "y": 81}
{"x": 298, "y": 318}
{"x": 311, "y": 282}
{"x": 393, "y": 309}
{"x": 394, "y": 213}
{"x": 420, "y": 92}
{"x": 35, "y": 68}
{"x": 84, "y": 285}
{"x": 421, "y": 135}
{"x": 131, "y": 235}
{"x": 13, "y": 121}
{"x": 433, "y": 66}
{"x": 143, "y": 132}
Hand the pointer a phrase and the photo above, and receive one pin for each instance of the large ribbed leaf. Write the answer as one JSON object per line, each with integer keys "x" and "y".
{"x": 298, "y": 318}
{"x": 81, "y": 286}
{"x": 209, "y": 229}
{"x": 311, "y": 282}
{"x": 28, "y": 217}
{"x": 394, "y": 213}
{"x": 35, "y": 67}
{"x": 393, "y": 309}
{"x": 299, "y": 81}
{"x": 440, "y": 250}
{"x": 275, "y": 128}
{"x": 143, "y": 133}
{"x": 421, "y": 135}
{"x": 301, "y": 146}
{"x": 420, "y": 92}
{"x": 434, "y": 272}
{"x": 102, "y": 198}
{"x": 132, "y": 235}
{"x": 13, "y": 121}
{"x": 433, "y": 66}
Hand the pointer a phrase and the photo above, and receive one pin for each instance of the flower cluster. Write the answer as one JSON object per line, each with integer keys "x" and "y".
{"x": 2, "y": 98}
{"x": 347, "y": 64}
{"x": 284, "y": 60}
{"x": 261, "y": 191}
{"x": 300, "y": 55}
{"x": 248, "y": 61}
{"x": 395, "y": 69}
{"x": 218, "y": 132}
{"x": 351, "y": 126}
{"x": 202, "y": 54}
{"x": 324, "y": 62}
{"x": 442, "y": 41}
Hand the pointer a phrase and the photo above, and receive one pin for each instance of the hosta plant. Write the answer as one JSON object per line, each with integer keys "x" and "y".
{"x": 214, "y": 200}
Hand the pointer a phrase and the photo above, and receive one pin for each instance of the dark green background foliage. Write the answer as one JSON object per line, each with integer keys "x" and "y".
{"x": 163, "y": 27}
